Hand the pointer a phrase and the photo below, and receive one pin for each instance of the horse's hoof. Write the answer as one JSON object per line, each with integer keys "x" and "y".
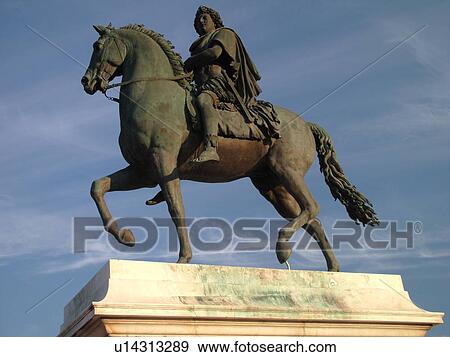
{"x": 184, "y": 260}
{"x": 285, "y": 234}
{"x": 159, "y": 197}
{"x": 126, "y": 237}
{"x": 334, "y": 267}
{"x": 284, "y": 251}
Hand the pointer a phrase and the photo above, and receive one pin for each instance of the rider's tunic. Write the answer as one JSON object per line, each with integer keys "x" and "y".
{"x": 233, "y": 68}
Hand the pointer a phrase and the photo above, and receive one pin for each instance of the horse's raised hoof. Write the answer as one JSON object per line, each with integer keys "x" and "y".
{"x": 184, "y": 260}
{"x": 285, "y": 234}
{"x": 284, "y": 251}
{"x": 159, "y": 197}
{"x": 126, "y": 237}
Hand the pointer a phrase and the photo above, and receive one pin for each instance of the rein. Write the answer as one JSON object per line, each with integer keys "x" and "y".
{"x": 148, "y": 79}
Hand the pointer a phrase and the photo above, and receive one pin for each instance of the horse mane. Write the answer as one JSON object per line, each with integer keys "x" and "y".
{"x": 174, "y": 58}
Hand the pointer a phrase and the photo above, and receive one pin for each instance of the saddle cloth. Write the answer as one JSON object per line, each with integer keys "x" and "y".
{"x": 231, "y": 123}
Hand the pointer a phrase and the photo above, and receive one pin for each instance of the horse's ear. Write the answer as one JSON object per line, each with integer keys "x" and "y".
{"x": 100, "y": 29}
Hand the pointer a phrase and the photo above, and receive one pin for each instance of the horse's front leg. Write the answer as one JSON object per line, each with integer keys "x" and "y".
{"x": 123, "y": 180}
{"x": 170, "y": 186}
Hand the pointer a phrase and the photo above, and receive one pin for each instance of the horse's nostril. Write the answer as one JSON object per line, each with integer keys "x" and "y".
{"x": 84, "y": 80}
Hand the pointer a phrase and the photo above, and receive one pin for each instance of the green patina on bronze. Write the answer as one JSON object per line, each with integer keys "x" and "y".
{"x": 161, "y": 147}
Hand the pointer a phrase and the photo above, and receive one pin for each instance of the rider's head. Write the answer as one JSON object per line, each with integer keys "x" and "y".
{"x": 212, "y": 13}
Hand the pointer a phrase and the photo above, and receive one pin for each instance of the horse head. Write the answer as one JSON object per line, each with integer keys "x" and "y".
{"x": 108, "y": 55}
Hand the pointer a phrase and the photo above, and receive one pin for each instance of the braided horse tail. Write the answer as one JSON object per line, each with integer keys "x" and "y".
{"x": 357, "y": 205}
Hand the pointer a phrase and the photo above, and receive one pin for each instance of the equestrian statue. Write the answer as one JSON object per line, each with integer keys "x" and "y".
{"x": 201, "y": 121}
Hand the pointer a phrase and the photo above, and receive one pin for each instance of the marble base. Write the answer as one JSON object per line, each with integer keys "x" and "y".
{"x": 132, "y": 298}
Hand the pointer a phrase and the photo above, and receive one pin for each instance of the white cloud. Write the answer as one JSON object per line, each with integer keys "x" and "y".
{"x": 41, "y": 118}
{"x": 27, "y": 231}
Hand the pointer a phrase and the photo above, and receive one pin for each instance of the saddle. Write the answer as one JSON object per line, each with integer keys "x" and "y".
{"x": 232, "y": 123}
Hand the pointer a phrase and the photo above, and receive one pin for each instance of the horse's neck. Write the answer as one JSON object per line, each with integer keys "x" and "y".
{"x": 145, "y": 59}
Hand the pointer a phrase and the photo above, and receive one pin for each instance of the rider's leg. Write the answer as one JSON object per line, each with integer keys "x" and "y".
{"x": 210, "y": 119}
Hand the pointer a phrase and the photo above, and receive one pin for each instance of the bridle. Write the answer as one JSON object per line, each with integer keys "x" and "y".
{"x": 145, "y": 79}
{"x": 102, "y": 70}
{"x": 103, "y": 74}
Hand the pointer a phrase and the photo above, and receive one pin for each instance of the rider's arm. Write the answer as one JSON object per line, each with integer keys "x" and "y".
{"x": 203, "y": 58}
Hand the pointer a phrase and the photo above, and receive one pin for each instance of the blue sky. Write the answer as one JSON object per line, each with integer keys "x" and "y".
{"x": 390, "y": 126}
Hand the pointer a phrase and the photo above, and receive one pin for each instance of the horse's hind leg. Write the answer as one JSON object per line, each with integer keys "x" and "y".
{"x": 308, "y": 210}
{"x": 315, "y": 229}
{"x": 290, "y": 170}
{"x": 270, "y": 187}
{"x": 288, "y": 208}
{"x": 122, "y": 180}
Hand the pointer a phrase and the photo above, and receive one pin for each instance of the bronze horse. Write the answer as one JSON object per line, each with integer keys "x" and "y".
{"x": 159, "y": 144}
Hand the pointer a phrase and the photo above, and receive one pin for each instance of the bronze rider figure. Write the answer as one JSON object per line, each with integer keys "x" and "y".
{"x": 224, "y": 75}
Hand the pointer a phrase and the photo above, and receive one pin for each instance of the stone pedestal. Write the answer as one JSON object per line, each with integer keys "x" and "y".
{"x": 130, "y": 298}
